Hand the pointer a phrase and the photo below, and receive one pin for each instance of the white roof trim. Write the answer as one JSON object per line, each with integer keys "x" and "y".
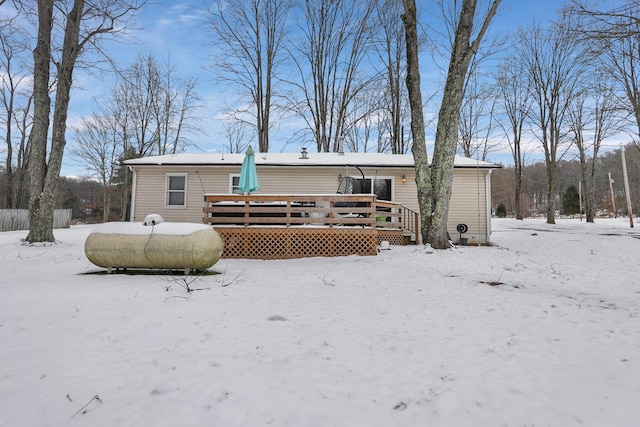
{"x": 294, "y": 159}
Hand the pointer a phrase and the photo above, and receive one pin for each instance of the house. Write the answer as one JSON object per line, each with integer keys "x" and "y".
{"x": 174, "y": 185}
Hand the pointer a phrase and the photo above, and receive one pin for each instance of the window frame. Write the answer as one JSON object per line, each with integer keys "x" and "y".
{"x": 168, "y": 191}
{"x": 372, "y": 180}
{"x": 233, "y": 189}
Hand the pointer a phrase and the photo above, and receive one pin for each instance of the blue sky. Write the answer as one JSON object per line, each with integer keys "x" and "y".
{"x": 176, "y": 30}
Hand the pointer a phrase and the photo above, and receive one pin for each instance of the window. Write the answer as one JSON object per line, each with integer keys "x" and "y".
{"x": 381, "y": 187}
{"x": 234, "y": 180}
{"x": 176, "y": 195}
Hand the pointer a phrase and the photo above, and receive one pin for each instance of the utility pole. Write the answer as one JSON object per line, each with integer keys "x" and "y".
{"x": 626, "y": 188}
{"x": 613, "y": 198}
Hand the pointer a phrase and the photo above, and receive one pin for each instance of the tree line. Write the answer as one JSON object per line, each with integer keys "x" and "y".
{"x": 609, "y": 198}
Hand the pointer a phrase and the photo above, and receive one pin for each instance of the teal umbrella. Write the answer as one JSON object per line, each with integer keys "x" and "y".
{"x": 248, "y": 175}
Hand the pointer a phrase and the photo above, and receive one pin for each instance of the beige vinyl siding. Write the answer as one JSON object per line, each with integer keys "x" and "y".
{"x": 151, "y": 188}
{"x": 407, "y": 193}
{"x": 468, "y": 200}
{"x": 298, "y": 180}
{"x": 468, "y": 204}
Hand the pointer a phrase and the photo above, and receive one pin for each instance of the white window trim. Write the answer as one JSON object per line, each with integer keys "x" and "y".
{"x": 166, "y": 190}
{"x": 231, "y": 176}
{"x": 384, "y": 177}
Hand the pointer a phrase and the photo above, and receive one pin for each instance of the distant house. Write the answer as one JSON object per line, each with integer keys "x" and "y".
{"x": 174, "y": 185}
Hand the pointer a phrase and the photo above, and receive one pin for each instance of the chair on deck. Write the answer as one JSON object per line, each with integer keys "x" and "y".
{"x": 348, "y": 185}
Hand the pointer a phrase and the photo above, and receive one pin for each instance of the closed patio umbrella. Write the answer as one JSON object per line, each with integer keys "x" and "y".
{"x": 248, "y": 176}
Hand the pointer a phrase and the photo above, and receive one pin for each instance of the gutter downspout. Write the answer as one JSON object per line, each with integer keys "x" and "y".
{"x": 133, "y": 192}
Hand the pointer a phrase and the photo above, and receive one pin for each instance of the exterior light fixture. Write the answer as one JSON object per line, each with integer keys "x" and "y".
{"x": 340, "y": 178}
{"x": 404, "y": 178}
{"x": 303, "y": 153}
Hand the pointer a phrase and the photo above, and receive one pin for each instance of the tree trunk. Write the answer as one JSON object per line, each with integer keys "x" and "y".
{"x": 434, "y": 203}
{"x": 106, "y": 202}
{"x": 518, "y": 198}
{"x": 42, "y": 208}
{"x": 551, "y": 193}
{"x": 449, "y": 119}
{"x": 444, "y": 153}
{"x": 418, "y": 147}
{"x": 40, "y": 219}
{"x": 590, "y": 191}
{"x": 125, "y": 196}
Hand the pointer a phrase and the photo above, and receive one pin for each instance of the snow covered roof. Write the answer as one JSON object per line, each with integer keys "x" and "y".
{"x": 296, "y": 159}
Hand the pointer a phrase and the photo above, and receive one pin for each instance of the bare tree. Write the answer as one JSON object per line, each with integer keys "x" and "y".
{"x": 620, "y": 58}
{"x": 336, "y": 38}
{"x": 135, "y": 102}
{"x": 605, "y": 20}
{"x": 115, "y": 117}
{"x": 151, "y": 111}
{"x": 593, "y": 117}
{"x": 176, "y": 111}
{"x": 476, "y": 126}
{"x": 514, "y": 97}
{"x": 360, "y": 121}
{"x": 390, "y": 42}
{"x": 250, "y": 34}
{"x": 83, "y": 23}
{"x": 611, "y": 32}
{"x": 15, "y": 115}
{"x": 98, "y": 148}
{"x": 463, "y": 51}
{"x": 551, "y": 58}
{"x": 235, "y": 136}
{"x": 155, "y": 108}
{"x": 477, "y": 114}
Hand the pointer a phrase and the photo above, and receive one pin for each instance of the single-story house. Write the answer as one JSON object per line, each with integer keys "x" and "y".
{"x": 174, "y": 186}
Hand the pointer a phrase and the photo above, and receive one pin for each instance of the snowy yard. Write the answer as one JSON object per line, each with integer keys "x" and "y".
{"x": 542, "y": 329}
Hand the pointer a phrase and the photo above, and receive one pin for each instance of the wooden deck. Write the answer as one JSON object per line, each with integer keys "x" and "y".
{"x": 298, "y": 226}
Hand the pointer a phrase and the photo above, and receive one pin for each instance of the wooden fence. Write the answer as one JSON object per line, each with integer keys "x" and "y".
{"x": 18, "y": 219}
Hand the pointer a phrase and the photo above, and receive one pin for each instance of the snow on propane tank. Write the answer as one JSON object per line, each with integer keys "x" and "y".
{"x": 164, "y": 245}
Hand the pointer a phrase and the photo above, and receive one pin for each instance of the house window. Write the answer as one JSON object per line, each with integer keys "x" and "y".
{"x": 176, "y": 194}
{"x": 381, "y": 187}
{"x": 234, "y": 180}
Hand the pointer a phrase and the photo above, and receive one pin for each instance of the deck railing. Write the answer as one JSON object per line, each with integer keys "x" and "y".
{"x": 411, "y": 223}
{"x": 299, "y": 225}
{"x": 301, "y": 209}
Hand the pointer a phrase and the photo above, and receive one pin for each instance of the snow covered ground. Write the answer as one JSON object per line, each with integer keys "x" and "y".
{"x": 411, "y": 337}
